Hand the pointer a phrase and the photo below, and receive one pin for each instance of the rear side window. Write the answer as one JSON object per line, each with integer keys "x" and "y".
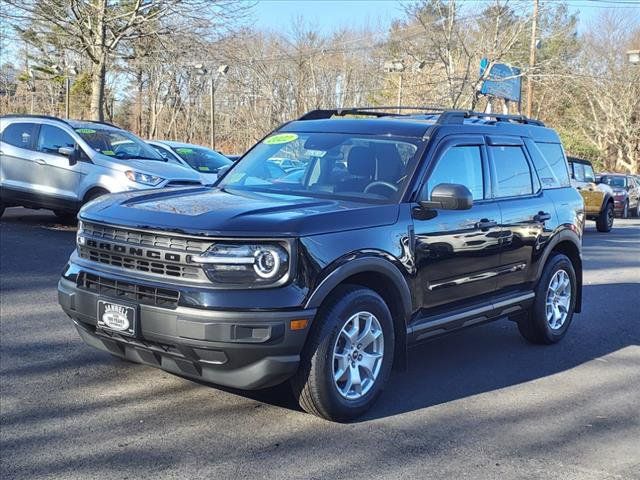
{"x": 19, "y": 134}
{"x": 52, "y": 138}
{"x": 461, "y": 165}
{"x": 511, "y": 171}
{"x": 550, "y": 164}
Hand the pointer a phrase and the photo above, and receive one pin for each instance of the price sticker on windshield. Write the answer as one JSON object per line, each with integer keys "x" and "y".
{"x": 280, "y": 138}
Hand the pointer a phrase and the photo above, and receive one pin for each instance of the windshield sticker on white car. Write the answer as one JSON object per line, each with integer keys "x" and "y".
{"x": 108, "y": 152}
{"x": 85, "y": 130}
{"x": 204, "y": 168}
{"x": 280, "y": 139}
{"x": 184, "y": 150}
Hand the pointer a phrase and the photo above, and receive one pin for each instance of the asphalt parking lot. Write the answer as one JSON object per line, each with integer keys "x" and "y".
{"x": 477, "y": 404}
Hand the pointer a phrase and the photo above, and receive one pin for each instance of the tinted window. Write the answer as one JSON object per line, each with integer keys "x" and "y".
{"x": 19, "y": 134}
{"x": 52, "y": 138}
{"x": 335, "y": 165}
{"x": 461, "y": 165}
{"x": 202, "y": 159}
{"x": 551, "y": 165}
{"x": 612, "y": 181}
{"x": 512, "y": 172}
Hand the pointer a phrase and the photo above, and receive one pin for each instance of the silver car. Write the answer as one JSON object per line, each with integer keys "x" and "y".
{"x": 46, "y": 162}
{"x": 205, "y": 161}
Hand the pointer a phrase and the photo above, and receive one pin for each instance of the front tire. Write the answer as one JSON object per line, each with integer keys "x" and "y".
{"x": 604, "y": 222}
{"x": 549, "y": 318}
{"x": 348, "y": 356}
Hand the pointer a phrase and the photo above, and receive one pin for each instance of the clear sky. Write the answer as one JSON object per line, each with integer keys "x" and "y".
{"x": 330, "y": 15}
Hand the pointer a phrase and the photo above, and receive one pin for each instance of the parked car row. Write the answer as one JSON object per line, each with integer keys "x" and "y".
{"x": 60, "y": 165}
{"x": 605, "y": 195}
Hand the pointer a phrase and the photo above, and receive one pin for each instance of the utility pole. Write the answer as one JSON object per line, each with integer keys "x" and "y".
{"x": 532, "y": 57}
{"x": 212, "y": 109}
{"x": 399, "y": 91}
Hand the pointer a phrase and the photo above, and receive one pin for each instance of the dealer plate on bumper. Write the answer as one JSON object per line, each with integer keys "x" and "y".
{"x": 117, "y": 317}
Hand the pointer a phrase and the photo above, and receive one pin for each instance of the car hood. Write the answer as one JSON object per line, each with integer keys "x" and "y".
{"x": 159, "y": 168}
{"x": 217, "y": 212}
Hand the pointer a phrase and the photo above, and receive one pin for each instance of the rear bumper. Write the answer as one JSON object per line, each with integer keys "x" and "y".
{"x": 239, "y": 349}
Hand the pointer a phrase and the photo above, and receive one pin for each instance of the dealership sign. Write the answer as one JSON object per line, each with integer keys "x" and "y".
{"x": 502, "y": 81}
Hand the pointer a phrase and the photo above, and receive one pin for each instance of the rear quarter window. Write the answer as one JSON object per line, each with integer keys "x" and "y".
{"x": 19, "y": 134}
{"x": 550, "y": 163}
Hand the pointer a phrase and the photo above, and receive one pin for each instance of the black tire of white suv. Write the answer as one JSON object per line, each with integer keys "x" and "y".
{"x": 334, "y": 346}
{"x": 541, "y": 324}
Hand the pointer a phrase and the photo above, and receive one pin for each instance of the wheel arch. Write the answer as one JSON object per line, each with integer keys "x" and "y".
{"x": 608, "y": 198}
{"x": 91, "y": 191}
{"x": 384, "y": 278}
{"x": 567, "y": 243}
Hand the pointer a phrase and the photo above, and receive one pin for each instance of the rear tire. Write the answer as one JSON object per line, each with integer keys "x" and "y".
{"x": 625, "y": 210}
{"x": 549, "y": 317}
{"x": 604, "y": 222}
{"x": 348, "y": 356}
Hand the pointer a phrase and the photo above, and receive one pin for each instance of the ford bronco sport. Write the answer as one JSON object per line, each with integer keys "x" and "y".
{"x": 403, "y": 227}
{"x": 598, "y": 197}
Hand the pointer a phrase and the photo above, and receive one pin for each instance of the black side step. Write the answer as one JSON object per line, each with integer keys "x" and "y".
{"x": 439, "y": 324}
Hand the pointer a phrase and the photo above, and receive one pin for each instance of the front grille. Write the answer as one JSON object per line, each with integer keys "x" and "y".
{"x": 145, "y": 239}
{"x": 160, "y": 297}
{"x": 154, "y": 254}
{"x": 141, "y": 265}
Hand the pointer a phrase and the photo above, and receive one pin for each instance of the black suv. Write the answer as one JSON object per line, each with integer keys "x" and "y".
{"x": 396, "y": 228}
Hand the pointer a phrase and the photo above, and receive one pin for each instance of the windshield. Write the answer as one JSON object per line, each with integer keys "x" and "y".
{"x": 619, "y": 182}
{"x": 117, "y": 143}
{"x": 202, "y": 159}
{"x": 327, "y": 164}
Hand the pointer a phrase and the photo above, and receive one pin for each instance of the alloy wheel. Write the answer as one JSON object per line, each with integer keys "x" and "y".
{"x": 558, "y": 299}
{"x": 357, "y": 355}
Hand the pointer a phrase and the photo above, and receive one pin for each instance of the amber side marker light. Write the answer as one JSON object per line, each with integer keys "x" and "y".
{"x": 299, "y": 324}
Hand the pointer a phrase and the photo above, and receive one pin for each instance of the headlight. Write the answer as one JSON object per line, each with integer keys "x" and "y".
{"x": 143, "y": 178}
{"x": 81, "y": 240}
{"x": 245, "y": 265}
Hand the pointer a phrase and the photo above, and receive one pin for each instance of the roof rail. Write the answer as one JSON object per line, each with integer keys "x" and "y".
{"x": 50, "y": 117}
{"x": 457, "y": 117}
{"x": 31, "y": 115}
{"x": 100, "y": 122}
{"x": 370, "y": 111}
{"x": 445, "y": 116}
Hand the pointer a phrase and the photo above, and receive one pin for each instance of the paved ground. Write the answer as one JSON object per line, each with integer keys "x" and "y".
{"x": 478, "y": 404}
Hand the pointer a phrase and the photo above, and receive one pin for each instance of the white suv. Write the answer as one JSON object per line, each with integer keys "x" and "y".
{"x": 46, "y": 162}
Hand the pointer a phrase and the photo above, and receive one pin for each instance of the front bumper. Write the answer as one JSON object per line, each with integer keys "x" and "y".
{"x": 239, "y": 349}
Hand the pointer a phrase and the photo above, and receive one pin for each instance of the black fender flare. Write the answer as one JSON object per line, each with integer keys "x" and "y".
{"x": 357, "y": 265}
{"x": 607, "y": 198}
{"x": 565, "y": 235}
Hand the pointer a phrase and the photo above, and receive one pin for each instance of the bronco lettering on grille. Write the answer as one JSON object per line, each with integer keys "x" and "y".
{"x": 135, "y": 251}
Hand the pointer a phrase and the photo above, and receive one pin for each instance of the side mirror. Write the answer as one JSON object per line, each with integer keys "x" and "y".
{"x": 70, "y": 153}
{"x": 449, "y": 196}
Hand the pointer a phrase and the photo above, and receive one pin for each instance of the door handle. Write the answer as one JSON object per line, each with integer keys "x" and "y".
{"x": 485, "y": 224}
{"x": 542, "y": 217}
{"x": 40, "y": 161}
